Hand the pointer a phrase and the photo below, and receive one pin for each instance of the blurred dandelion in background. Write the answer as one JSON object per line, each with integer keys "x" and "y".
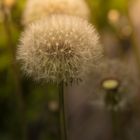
{"x": 115, "y": 69}
{"x": 9, "y": 3}
{"x": 36, "y": 9}
{"x": 113, "y": 16}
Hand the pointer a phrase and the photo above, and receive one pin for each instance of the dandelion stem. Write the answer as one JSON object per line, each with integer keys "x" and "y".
{"x": 112, "y": 101}
{"x": 63, "y": 129}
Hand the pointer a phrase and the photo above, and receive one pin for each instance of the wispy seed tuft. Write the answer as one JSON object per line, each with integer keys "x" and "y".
{"x": 58, "y": 48}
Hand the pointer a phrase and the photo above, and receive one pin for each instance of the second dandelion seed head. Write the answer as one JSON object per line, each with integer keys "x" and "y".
{"x": 36, "y": 9}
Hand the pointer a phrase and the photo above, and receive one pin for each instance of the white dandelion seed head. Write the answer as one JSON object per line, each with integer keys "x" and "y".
{"x": 58, "y": 48}
{"x": 36, "y": 9}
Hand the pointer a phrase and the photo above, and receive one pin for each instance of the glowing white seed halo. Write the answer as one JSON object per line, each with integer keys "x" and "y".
{"x": 58, "y": 48}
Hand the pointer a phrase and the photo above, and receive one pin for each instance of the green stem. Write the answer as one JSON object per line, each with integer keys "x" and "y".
{"x": 112, "y": 101}
{"x": 62, "y": 117}
{"x": 115, "y": 124}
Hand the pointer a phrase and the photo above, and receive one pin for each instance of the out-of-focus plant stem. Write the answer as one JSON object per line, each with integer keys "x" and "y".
{"x": 111, "y": 104}
{"x": 135, "y": 46}
{"x": 15, "y": 70}
{"x": 112, "y": 101}
{"x": 62, "y": 118}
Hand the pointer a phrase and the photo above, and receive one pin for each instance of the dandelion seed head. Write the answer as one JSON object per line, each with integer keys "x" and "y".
{"x": 36, "y": 9}
{"x": 50, "y": 52}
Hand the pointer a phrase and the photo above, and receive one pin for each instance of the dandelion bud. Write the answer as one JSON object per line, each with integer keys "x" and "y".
{"x": 110, "y": 84}
{"x": 117, "y": 75}
{"x": 36, "y": 9}
{"x": 58, "y": 48}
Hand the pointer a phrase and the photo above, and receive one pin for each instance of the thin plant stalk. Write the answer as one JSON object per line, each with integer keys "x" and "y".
{"x": 15, "y": 71}
{"x": 134, "y": 39}
{"x": 62, "y": 117}
{"x": 112, "y": 101}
